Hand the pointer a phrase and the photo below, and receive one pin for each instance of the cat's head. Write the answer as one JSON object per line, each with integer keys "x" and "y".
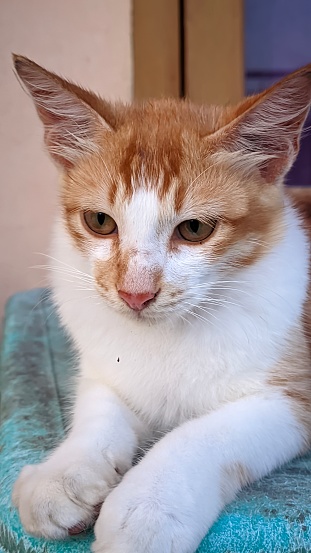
{"x": 165, "y": 199}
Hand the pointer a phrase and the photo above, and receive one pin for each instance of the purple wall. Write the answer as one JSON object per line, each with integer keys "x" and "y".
{"x": 277, "y": 41}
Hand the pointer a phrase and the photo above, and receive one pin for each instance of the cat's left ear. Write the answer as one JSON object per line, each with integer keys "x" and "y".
{"x": 265, "y": 130}
{"x": 68, "y": 112}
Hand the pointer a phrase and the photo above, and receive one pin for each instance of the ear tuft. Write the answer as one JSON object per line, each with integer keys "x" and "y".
{"x": 71, "y": 126}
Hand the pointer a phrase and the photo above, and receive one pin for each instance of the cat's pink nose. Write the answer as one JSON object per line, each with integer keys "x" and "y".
{"x": 136, "y": 301}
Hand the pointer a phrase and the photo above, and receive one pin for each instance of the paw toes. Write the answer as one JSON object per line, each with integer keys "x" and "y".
{"x": 77, "y": 529}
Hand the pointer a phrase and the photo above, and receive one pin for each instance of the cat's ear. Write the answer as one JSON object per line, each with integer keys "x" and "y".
{"x": 71, "y": 123}
{"x": 266, "y": 128}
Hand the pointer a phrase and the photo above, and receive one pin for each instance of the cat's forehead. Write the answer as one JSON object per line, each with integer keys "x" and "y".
{"x": 171, "y": 113}
{"x": 162, "y": 125}
{"x": 162, "y": 148}
{"x": 160, "y": 145}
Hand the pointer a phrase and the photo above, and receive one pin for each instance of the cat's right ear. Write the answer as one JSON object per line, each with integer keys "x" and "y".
{"x": 265, "y": 130}
{"x": 72, "y": 127}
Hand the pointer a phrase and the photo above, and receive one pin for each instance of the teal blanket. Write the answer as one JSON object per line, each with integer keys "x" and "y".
{"x": 271, "y": 516}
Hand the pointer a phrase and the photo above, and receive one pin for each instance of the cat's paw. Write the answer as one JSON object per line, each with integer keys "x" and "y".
{"x": 137, "y": 519}
{"x": 58, "y": 499}
{"x": 142, "y": 527}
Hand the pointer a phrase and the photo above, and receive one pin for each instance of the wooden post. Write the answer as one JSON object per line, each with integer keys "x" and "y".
{"x": 191, "y": 48}
{"x": 156, "y": 42}
{"x": 214, "y": 51}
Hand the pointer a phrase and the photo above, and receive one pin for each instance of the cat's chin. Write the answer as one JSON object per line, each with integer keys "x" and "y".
{"x": 145, "y": 316}
{"x": 152, "y": 317}
{"x": 148, "y": 316}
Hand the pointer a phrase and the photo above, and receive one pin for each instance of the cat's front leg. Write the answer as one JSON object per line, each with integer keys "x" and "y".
{"x": 60, "y": 496}
{"x": 168, "y": 502}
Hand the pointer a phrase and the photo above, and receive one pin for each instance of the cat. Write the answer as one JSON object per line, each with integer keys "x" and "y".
{"x": 180, "y": 269}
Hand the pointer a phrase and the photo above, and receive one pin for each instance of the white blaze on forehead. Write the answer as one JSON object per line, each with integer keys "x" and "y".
{"x": 140, "y": 234}
{"x": 141, "y": 220}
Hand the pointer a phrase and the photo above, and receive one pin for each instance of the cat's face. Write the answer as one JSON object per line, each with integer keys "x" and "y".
{"x": 166, "y": 201}
{"x": 158, "y": 216}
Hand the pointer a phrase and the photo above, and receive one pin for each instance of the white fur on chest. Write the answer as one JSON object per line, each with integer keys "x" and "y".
{"x": 169, "y": 372}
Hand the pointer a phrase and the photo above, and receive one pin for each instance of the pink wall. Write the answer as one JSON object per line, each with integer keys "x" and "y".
{"x": 87, "y": 41}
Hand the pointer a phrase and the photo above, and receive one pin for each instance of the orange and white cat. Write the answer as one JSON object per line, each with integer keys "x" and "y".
{"x": 181, "y": 272}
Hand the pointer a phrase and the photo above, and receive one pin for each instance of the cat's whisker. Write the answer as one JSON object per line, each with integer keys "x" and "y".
{"x": 223, "y": 304}
{"x": 43, "y": 282}
{"x": 251, "y": 295}
{"x": 215, "y": 298}
{"x": 70, "y": 275}
{"x": 218, "y": 303}
{"x": 196, "y": 306}
{"x": 210, "y": 312}
{"x": 200, "y": 175}
{"x": 63, "y": 263}
{"x": 85, "y": 289}
{"x": 42, "y": 298}
{"x": 55, "y": 268}
{"x": 75, "y": 282}
{"x": 106, "y": 167}
{"x": 211, "y": 166}
{"x": 201, "y": 318}
{"x": 229, "y": 288}
{"x": 210, "y": 293}
{"x": 193, "y": 312}
{"x": 220, "y": 283}
{"x": 185, "y": 319}
{"x": 67, "y": 273}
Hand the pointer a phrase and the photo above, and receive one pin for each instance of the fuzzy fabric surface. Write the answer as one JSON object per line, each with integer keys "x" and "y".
{"x": 271, "y": 516}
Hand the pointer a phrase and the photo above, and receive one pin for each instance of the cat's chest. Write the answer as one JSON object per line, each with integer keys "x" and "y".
{"x": 168, "y": 376}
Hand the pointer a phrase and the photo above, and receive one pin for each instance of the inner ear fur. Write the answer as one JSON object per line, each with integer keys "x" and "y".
{"x": 73, "y": 117}
{"x": 265, "y": 129}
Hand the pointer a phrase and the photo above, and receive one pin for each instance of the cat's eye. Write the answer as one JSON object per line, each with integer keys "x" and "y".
{"x": 195, "y": 231}
{"x": 99, "y": 222}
